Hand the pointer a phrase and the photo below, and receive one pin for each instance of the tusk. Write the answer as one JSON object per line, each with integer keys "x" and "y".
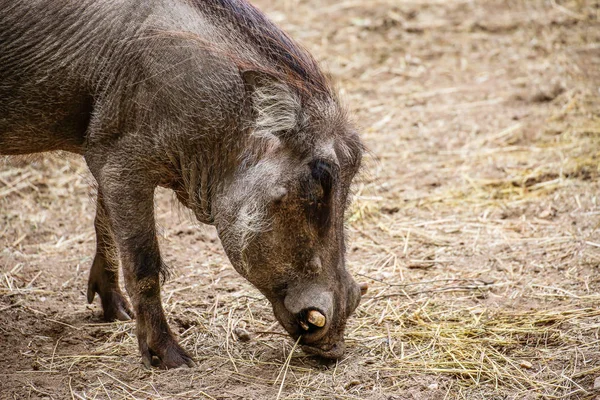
{"x": 364, "y": 288}
{"x": 304, "y": 325}
{"x": 316, "y": 318}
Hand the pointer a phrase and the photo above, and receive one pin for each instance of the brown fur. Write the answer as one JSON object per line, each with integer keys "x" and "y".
{"x": 207, "y": 98}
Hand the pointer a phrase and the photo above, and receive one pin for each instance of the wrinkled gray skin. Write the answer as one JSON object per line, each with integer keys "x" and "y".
{"x": 175, "y": 94}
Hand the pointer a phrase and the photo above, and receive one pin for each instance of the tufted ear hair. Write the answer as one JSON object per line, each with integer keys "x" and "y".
{"x": 275, "y": 106}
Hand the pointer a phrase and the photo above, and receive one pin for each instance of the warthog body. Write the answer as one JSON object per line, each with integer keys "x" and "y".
{"x": 207, "y": 98}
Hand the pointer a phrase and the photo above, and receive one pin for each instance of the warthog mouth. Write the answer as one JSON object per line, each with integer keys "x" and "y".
{"x": 329, "y": 351}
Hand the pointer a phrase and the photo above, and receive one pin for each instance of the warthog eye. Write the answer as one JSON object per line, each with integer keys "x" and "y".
{"x": 319, "y": 191}
{"x": 322, "y": 172}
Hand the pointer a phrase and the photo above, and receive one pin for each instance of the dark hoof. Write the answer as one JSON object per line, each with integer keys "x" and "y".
{"x": 114, "y": 304}
{"x": 167, "y": 356}
{"x": 117, "y": 309}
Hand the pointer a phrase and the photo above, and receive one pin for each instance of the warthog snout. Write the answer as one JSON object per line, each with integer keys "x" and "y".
{"x": 317, "y": 316}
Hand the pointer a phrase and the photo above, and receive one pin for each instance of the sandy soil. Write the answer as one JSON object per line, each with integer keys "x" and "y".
{"x": 476, "y": 222}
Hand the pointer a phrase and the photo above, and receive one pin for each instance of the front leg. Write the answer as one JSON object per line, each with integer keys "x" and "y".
{"x": 129, "y": 203}
{"x": 104, "y": 277}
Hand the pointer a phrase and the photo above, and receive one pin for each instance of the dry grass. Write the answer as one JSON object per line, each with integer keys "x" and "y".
{"x": 476, "y": 223}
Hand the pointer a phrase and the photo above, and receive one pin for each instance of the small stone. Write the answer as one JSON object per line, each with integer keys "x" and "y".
{"x": 242, "y": 334}
{"x": 548, "y": 213}
{"x": 597, "y": 383}
{"x": 546, "y": 93}
{"x": 353, "y": 382}
{"x": 526, "y": 365}
{"x": 433, "y": 386}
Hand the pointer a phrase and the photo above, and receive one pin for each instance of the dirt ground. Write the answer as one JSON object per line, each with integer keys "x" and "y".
{"x": 476, "y": 223}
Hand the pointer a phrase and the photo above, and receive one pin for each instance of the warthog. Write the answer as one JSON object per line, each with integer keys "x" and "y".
{"x": 212, "y": 100}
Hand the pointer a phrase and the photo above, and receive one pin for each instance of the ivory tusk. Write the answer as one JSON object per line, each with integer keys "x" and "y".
{"x": 364, "y": 288}
{"x": 316, "y": 318}
{"x": 304, "y": 325}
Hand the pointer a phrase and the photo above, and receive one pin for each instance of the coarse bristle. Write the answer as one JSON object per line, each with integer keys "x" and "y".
{"x": 476, "y": 223}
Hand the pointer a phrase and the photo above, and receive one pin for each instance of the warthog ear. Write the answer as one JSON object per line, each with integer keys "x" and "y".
{"x": 275, "y": 106}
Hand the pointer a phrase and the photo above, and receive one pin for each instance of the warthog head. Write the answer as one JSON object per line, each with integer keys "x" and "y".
{"x": 281, "y": 213}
